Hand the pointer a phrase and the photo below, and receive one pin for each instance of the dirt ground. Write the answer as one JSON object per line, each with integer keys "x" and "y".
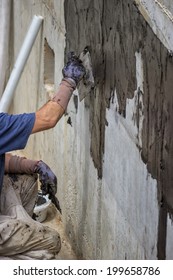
{"x": 54, "y": 220}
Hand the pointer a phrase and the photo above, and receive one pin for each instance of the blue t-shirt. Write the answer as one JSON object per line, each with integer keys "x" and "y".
{"x": 14, "y": 133}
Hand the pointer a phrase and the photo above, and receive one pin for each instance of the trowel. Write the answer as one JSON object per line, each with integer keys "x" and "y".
{"x": 87, "y": 83}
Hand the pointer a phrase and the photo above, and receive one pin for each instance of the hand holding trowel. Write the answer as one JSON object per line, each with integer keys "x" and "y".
{"x": 82, "y": 72}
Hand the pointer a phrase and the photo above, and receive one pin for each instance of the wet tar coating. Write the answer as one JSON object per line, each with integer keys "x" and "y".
{"x": 115, "y": 31}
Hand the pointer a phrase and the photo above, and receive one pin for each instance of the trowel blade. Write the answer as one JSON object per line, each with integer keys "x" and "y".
{"x": 87, "y": 83}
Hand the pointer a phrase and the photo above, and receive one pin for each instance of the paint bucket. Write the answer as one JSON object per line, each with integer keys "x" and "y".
{"x": 41, "y": 207}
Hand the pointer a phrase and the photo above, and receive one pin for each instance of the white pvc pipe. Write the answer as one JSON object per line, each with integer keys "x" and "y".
{"x": 5, "y": 9}
{"x": 20, "y": 63}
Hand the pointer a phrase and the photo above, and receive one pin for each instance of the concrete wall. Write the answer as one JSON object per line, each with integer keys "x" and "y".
{"x": 159, "y": 14}
{"x": 107, "y": 151}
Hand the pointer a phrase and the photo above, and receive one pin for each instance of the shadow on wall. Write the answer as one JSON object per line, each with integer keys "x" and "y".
{"x": 115, "y": 30}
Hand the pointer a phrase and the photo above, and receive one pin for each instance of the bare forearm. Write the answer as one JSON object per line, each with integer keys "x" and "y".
{"x": 48, "y": 115}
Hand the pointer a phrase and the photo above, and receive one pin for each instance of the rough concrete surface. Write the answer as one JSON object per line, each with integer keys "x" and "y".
{"x": 159, "y": 15}
{"x": 113, "y": 40}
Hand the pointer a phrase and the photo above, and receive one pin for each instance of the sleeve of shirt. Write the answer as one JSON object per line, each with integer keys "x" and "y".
{"x": 15, "y": 131}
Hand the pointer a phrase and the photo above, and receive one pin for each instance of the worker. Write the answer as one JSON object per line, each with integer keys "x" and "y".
{"x": 21, "y": 237}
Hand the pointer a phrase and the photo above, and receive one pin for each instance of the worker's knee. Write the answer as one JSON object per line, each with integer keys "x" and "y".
{"x": 57, "y": 243}
{"x": 52, "y": 240}
{"x": 24, "y": 181}
{"x": 45, "y": 238}
{"x": 18, "y": 237}
{"x": 21, "y": 182}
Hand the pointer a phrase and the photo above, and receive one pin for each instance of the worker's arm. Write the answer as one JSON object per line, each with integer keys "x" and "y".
{"x": 48, "y": 116}
{"x": 7, "y": 160}
{"x": 21, "y": 165}
{"x": 51, "y": 112}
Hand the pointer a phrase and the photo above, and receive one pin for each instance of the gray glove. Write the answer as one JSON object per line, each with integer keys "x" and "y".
{"x": 74, "y": 68}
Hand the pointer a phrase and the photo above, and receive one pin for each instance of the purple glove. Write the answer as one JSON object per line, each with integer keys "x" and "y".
{"x": 74, "y": 68}
{"x": 47, "y": 178}
{"x": 48, "y": 182}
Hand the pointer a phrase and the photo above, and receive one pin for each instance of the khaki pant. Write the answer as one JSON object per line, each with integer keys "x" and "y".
{"x": 20, "y": 236}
